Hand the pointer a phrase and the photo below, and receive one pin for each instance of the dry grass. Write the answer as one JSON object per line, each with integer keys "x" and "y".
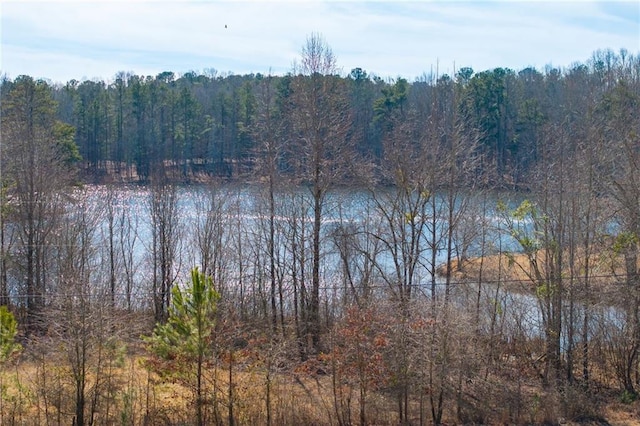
{"x": 298, "y": 398}
{"x": 514, "y": 273}
{"x": 35, "y": 393}
{"x": 138, "y": 396}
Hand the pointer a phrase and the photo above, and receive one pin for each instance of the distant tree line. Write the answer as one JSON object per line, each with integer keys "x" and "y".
{"x": 206, "y": 124}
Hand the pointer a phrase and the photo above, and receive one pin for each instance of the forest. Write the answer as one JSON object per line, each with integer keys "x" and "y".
{"x": 322, "y": 247}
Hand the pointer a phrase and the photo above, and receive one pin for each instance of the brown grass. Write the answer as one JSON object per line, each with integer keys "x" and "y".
{"x": 27, "y": 399}
{"x": 299, "y": 398}
{"x": 514, "y": 272}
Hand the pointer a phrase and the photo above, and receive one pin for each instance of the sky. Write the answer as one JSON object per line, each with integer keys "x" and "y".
{"x": 94, "y": 40}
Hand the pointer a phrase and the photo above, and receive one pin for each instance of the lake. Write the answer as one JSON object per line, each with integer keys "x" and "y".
{"x": 369, "y": 242}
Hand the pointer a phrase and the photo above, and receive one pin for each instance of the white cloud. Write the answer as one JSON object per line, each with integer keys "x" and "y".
{"x": 66, "y": 40}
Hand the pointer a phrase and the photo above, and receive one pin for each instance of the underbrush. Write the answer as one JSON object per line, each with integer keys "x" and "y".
{"x": 130, "y": 392}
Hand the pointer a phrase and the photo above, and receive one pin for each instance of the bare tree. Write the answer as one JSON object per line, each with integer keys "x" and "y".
{"x": 37, "y": 156}
{"x": 295, "y": 239}
{"x": 166, "y": 234}
{"x": 622, "y": 126}
{"x": 211, "y": 232}
{"x": 358, "y": 360}
{"x": 321, "y": 119}
{"x": 268, "y": 130}
{"x": 80, "y": 316}
{"x": 357, "y": 245}
{"x": 128, "y": 239}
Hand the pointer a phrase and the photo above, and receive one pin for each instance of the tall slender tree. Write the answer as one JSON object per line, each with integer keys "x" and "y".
{"x": 166, "y": 236}
{"x": 38, "y": 156}
{"x": 321, "y": 119}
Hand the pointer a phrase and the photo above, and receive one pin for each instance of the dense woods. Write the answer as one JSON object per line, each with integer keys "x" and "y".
{"x": 322, "y": 247}
{"x": 212, "y": 124}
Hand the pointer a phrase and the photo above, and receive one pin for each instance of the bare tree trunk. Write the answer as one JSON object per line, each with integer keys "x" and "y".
{"x": 4, "y": 290}
{"x": 163, "y": 205}
{"x": 314, "y": 308}
{"x": 319, "y": 154}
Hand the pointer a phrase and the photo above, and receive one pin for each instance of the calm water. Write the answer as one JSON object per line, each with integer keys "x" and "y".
{"x": 239, "y": 219}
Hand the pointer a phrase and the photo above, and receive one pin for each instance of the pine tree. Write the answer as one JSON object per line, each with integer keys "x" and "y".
{"x": 185, "y": 340}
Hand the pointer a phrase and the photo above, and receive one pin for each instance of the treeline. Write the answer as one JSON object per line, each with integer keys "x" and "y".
{"x": 207, "y": 124}
{"x": 422, "y": 298}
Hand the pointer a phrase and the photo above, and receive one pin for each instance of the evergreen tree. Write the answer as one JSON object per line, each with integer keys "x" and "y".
{"x": 185, "y": 339}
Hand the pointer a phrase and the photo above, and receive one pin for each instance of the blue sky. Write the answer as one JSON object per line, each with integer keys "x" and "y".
{"x": 96, "y": 39}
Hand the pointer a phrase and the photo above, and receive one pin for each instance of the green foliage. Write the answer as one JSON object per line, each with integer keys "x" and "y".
{"x": 497, "y": 306}
{"x": 185, "y": 340}
{"x": 527, "y": 239}
{"x": 64, "y": 135}
{"x": 544, "y": 291}
{"x": 17, "y": 399}
{"x": 510, "y": 259}
{"x": 207, "y": 117}
{"x": 186, "y": 335}
{"x": 30, "y": 99}
{"x": 524, "y": 210}
{"x": 127, "y": 412}
{"x": 8, "y": 331}
{"x": 528, "y": 244}
{"x": 392, "y": 100}
{"x": 118, "y": 352}
{"x": 409, "y": 217}
{"x": 628, "y": 397}
{"x": 623, "y": 241}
